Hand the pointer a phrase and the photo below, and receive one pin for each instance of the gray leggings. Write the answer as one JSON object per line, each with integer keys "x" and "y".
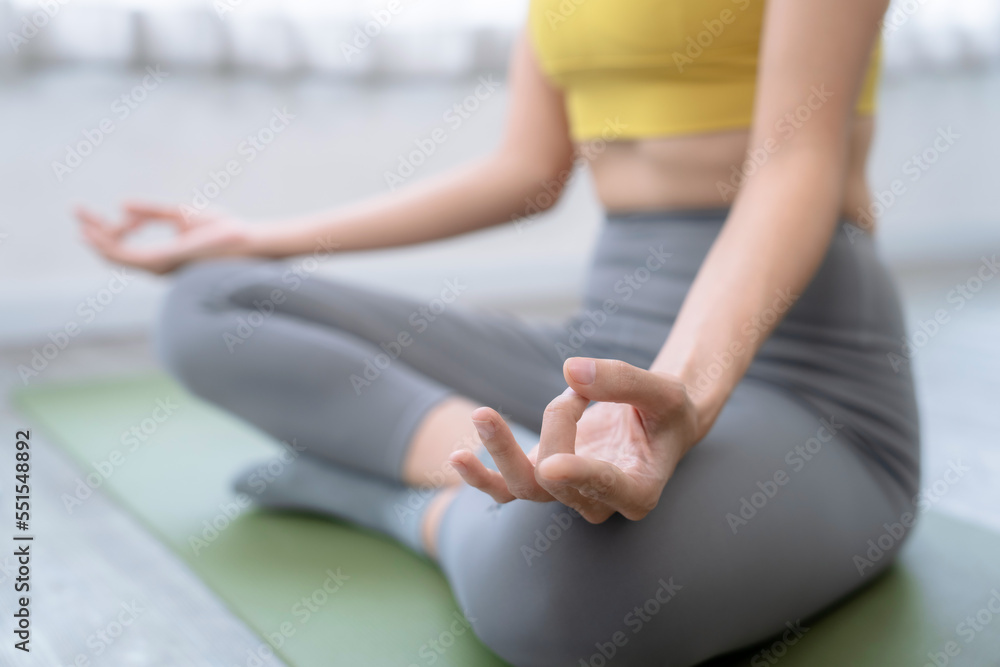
{"x": 770, "y": 519}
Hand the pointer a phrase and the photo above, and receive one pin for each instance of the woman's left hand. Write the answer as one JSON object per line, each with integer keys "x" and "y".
{"x": 614, "y": 456}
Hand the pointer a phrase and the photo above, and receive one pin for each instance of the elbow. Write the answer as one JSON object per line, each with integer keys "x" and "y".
{"x": 540, "y": 181}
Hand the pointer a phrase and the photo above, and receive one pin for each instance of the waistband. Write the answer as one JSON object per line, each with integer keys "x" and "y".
{"x": 718, "y": 214}
{"x": 703, "y": 215}
{"x": 646, "y": 262}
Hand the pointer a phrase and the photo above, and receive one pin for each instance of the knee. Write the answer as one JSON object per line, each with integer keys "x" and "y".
{"x": 529, "y": 596}
{"x": 190, "y": 331}
{"x": 524, "y": 621}
{"x": 195, "y": 282}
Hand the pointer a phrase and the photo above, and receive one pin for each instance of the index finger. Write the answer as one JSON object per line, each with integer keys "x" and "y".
{"x": 139, "y": 213}
{"x": 558, "y": 435}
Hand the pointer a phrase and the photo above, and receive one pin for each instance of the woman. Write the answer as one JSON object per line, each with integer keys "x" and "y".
{"x": 728, "y": 426}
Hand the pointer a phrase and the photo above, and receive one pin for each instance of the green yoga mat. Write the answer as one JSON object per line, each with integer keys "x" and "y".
{"x": 370, "y": 602}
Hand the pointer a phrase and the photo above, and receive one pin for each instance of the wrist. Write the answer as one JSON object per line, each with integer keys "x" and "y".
{"x": 707, "y": 395}
{"x": 260, "y": 240}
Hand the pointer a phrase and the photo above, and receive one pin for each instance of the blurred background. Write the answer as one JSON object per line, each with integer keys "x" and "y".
{"x": 102, "y": 100}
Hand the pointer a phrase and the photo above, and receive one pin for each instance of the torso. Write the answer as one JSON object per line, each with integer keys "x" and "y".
{"x": 676, "y": 77}
{"x": 686, "y": 172}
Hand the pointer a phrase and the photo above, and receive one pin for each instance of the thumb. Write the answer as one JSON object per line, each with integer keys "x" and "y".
{"x": 615, "y": 381}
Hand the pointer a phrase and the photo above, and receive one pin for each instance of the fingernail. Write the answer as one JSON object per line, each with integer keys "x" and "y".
{"x": 583, "y": 371}
{"x": 459, "y": 467}
{"x": 485, "y": 429}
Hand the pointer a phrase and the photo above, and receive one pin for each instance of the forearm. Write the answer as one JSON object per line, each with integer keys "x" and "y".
{"x": 766, "y": 255}
{"x": 485, "y": 193}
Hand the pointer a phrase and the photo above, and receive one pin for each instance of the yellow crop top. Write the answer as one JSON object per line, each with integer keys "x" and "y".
{"x": 641, "y": 68}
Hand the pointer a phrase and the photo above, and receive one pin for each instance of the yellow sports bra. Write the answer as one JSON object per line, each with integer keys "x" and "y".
{"x": 641, "y": 68}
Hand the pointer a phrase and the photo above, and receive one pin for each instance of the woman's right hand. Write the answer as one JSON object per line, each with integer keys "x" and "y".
{"x": 198, "y": 236}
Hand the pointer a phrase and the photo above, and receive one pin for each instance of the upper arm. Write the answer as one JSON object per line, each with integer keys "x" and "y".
{"x": 537, "y": 131}
{"x": 813, "y": 60}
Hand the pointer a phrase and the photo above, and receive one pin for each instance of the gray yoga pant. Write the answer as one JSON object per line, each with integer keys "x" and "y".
{"x": 801, "y": 493}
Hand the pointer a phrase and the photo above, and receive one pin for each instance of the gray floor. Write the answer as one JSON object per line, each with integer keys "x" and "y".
{"x": 345, "y": 139}
{"x": 88, "y": 567}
